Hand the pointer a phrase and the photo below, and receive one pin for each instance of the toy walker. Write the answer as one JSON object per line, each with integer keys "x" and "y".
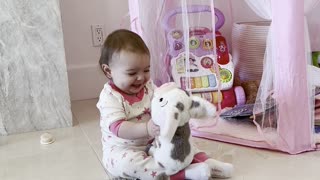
{"x": 201, "y": 73}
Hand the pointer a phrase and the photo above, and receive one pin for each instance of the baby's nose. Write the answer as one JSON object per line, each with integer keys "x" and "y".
{"x": 140, "y": 77}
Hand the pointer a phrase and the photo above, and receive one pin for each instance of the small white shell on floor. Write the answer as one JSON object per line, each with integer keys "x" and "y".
{"x": 46, "y": 138}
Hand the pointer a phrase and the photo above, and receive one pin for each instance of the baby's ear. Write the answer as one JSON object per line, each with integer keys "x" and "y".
{"x": 106, "y": 70}
{"x": 171, "y": 123}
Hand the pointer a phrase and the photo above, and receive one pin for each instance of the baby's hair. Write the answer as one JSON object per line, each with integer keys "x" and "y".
{"x": 119, "y": 40}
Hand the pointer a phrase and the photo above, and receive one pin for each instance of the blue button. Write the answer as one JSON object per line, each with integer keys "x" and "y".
{"x": 212, "y": 80}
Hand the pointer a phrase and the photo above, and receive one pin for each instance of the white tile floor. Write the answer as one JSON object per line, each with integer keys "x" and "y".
{"x": 76, "y": 155}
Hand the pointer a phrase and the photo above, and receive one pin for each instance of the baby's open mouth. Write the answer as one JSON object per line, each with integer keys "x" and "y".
{"x": 137, "y": 85}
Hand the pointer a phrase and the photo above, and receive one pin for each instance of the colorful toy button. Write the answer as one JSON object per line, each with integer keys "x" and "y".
{"x": 225, "y": 75}
{"x": 207, "y": 44}
{"x": 222, "y": 47}
{"x": 197, "y": 81}
{"x": 212, "y": 80}
{"x": 194, "y": 43}
{"x": 176, "y": 34}
{"x": 206, "y": 62}
{"x": 177, "y": 45}
{"x": 204, "y": 81}
{"x": 180, "y": 65}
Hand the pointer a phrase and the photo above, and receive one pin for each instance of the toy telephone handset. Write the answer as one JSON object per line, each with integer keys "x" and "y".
{"x": 222, "y": 49}
{"x": 201, "y": 75}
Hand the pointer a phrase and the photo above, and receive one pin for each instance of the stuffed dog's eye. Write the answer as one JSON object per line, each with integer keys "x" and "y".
{"x": 161, "y": 99}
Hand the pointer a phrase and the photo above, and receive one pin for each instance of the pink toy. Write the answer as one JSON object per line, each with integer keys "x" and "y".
{"x": 202, "y": 70}
{"x": 228, "y": 98}
{"x": 203, "y": 77}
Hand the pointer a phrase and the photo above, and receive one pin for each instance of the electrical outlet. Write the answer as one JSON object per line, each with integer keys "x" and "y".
{"x": 97, "y": 34}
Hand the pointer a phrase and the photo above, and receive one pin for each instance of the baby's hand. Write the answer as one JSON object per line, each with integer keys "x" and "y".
{"x": 153, "y": 129}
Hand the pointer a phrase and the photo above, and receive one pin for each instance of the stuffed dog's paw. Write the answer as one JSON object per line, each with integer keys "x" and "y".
{"x": 225, "y": 172}
{"x": 198, "y": 171}
{"x": 220, "y": 169}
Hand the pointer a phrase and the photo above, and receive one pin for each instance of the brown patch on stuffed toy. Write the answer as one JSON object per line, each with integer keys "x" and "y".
{"x": 181, "y": 146}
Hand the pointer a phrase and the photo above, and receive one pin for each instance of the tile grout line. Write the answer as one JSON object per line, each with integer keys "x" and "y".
{"x": 90, "y": 144}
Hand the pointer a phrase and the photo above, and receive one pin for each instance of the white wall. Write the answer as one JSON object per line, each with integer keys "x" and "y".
{"x": 237, "y": 11}
{"x": 85, "y": 77}
{"x": 314, "y": 28}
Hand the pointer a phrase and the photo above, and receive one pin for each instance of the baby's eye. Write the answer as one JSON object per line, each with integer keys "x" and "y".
{"x": 132, "y": 74}
{"x": 148, "y": 70}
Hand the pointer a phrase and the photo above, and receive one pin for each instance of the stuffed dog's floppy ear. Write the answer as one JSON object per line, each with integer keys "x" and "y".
{"x": 200, "y": 108}
{"x": 171, "y": 124}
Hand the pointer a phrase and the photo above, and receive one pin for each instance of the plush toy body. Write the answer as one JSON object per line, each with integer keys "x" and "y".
{"x": 171, "y": 109}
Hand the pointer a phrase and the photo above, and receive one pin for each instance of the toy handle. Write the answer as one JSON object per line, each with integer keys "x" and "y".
{"x": 193, "y": 9}
{"x": 199, "y": 31}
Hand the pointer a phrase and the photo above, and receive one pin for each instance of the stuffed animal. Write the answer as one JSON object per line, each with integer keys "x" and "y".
{"x": 171, "y": 109}
{"x": 251, "y": 90}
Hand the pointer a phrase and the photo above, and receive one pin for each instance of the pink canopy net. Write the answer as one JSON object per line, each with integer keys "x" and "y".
{"x": 207, "y": 50}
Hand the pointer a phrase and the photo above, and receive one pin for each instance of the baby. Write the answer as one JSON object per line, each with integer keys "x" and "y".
{"x": 124, "y": 106}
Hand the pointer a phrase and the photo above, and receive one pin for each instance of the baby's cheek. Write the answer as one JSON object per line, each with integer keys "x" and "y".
{"x": 147, "y": 78}
{"x": 130, "y": 80}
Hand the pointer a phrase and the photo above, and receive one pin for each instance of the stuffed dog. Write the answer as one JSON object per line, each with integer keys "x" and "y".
{"x": 171, "y": 110}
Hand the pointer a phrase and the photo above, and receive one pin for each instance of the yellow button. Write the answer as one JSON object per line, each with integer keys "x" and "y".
{"x": 198, "y": 83}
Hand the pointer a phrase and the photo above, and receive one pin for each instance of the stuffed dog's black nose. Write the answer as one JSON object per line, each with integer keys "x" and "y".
{"x": 161, "y": 99}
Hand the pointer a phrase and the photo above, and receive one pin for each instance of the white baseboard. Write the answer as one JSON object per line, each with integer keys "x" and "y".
{"x": 85, "y": 81}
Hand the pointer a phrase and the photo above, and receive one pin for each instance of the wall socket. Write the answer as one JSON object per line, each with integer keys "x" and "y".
{"x": 97, "y": 31}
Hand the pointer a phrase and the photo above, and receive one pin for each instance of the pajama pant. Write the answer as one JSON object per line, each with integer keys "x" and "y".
{"x": 135, "y": 163}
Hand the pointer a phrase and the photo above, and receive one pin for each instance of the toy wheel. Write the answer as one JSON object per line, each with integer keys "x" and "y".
{"x": 240, "y": 95}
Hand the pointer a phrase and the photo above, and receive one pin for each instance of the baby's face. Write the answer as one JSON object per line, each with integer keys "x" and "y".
{"x": 130, "y": 71}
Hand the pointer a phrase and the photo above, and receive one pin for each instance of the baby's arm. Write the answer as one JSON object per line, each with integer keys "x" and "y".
{"x": 113, "y": 114}
{"x": 136, "y": 130}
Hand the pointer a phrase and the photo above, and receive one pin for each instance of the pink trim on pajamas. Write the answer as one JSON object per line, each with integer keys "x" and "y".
{"x": 130, "y": 98}
{"x": 199, "y": 157}
{"x": 180, "y": 175}
{"x": 114, "y": 127}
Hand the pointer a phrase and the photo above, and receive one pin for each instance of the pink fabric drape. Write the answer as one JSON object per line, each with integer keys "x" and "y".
{"x": 289, "y": 66}
{"x": 291, "y": 90}
{"x": 134, "y": 16}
